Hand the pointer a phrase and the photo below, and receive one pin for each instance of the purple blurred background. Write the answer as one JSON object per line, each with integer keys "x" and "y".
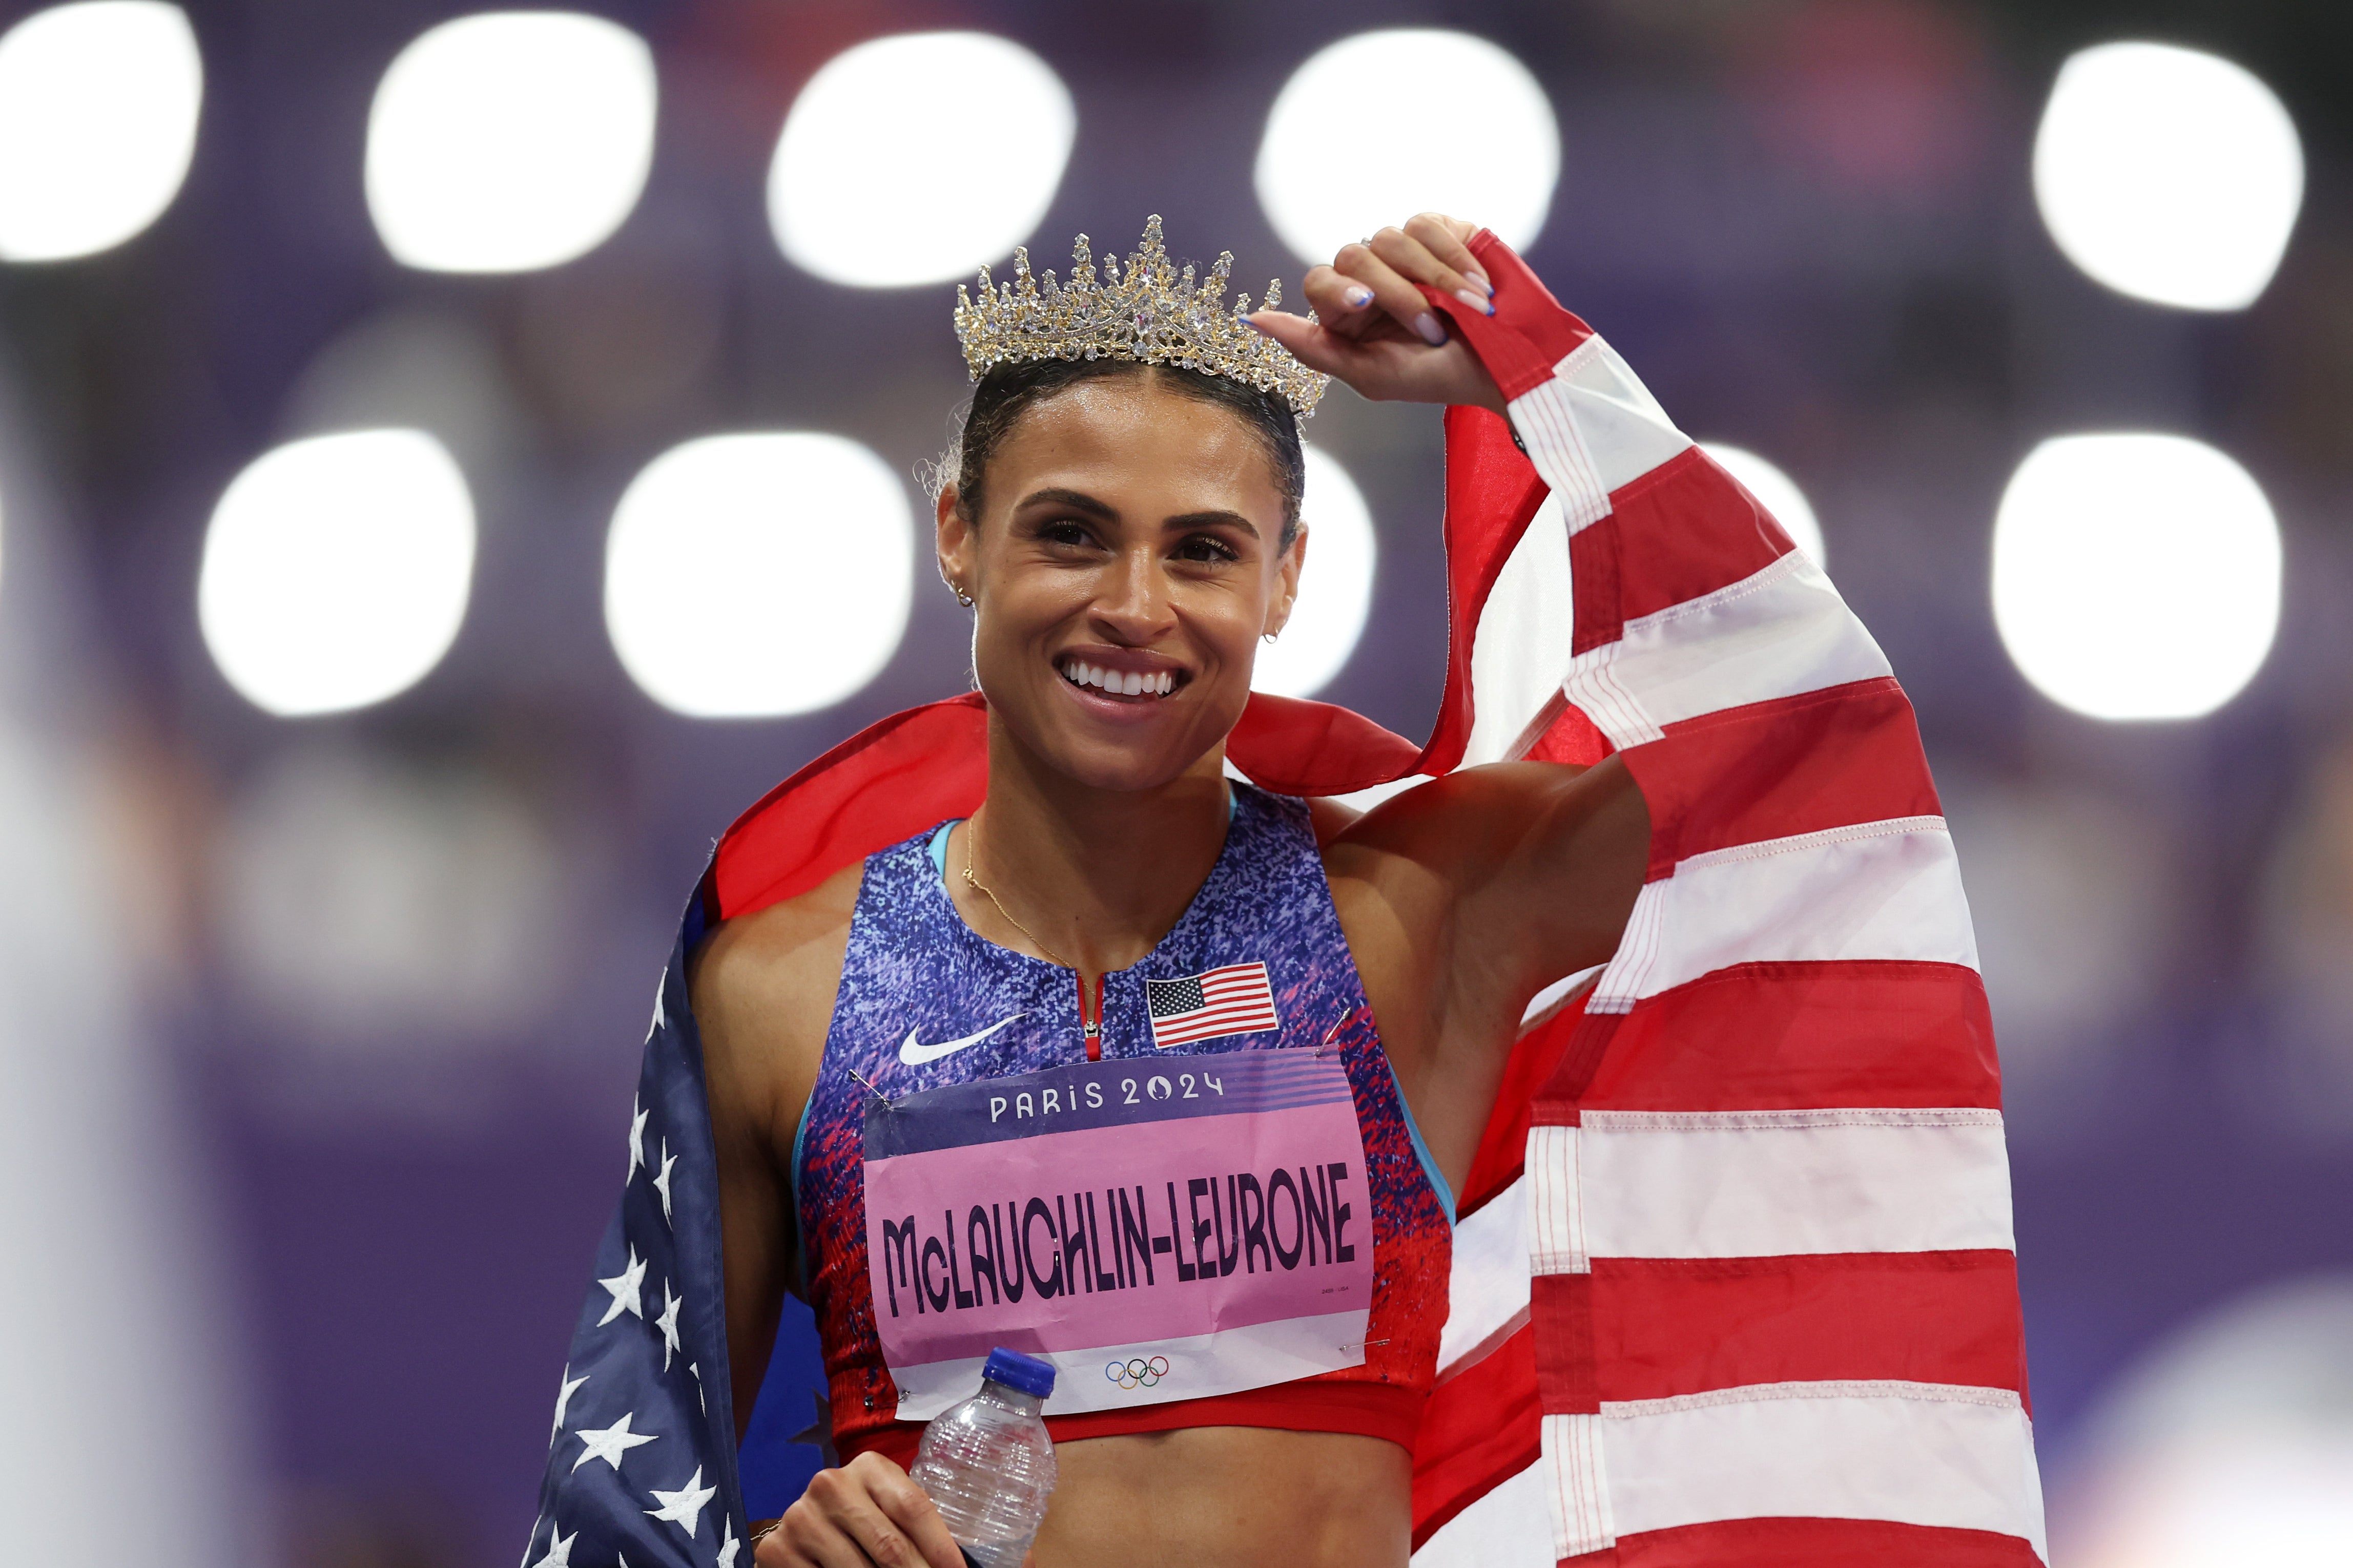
{"x": 349, "y": 1005}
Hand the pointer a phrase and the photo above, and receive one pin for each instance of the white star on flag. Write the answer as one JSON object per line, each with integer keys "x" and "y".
{"x": 624, "y": 1287}
{"x": 637, "y": 1141}
{"x": 668, "y": 1324}
{"x": 728, "y": 1545}
{"x": 564, "y": 1400}
{"x": 684, "y": 1507}
{"x": 700, "y": 1397}
{"x": 661, "y": 1015}
{"x": 609, "y": 1443}
{"x": 559, "y": 1550}
{"x": 662, "y": 1183}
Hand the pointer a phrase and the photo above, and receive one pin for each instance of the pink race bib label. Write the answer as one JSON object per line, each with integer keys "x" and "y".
{"x": 1159, "y": 1230}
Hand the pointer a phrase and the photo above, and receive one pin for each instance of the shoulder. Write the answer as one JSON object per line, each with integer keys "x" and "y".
{"x": 763, "y": 986}
{"x": 762, "y": 957}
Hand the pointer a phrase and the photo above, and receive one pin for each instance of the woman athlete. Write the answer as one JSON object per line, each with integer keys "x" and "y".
{"x": 1111, "y": 521}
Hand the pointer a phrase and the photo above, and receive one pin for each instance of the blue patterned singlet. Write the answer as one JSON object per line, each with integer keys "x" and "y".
{"x": 917, "y": 976}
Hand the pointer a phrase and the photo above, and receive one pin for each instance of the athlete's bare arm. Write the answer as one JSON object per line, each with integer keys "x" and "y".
{"x": 1464, "y": 896}
{"x": 763, "y": 988}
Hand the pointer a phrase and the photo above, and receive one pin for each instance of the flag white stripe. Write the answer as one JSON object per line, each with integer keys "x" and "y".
{"x": 1488, "y": 1290}
{"x": 1592, "y": 429}
{"x": 1577, "y": 1464}
{"x": 1780, "y": 631}
{"x": 1555, "y": 1202}
{"x": 1525, "y": 638}
{"x": 1887, "y": 889}
{"x": 1904, "y": 1453}
{"x": 1766, "y": 1184}
{"x": 1219, "y": 1021}
{"x": 1246, "y": 1023}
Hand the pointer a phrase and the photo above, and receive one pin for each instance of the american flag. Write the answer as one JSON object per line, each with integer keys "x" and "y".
{"x": 1734, "y": 1280}
{"x": 1235, "y": 1000}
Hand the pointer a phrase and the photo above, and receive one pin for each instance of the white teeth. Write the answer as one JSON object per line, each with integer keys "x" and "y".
{"x": 1160, "y": 683}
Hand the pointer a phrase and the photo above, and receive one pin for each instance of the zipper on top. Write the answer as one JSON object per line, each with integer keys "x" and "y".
{"x": 1090, "y": 1015}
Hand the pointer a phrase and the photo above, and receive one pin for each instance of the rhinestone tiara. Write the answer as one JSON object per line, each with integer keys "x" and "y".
{"x": 1150, "y": 314}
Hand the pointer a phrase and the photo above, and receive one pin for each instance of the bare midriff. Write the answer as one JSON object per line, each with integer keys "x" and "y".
{"x": 1230, "y": 1497}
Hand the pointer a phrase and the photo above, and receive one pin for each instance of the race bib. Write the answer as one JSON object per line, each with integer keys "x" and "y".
{"x": 1158, "y": 1230}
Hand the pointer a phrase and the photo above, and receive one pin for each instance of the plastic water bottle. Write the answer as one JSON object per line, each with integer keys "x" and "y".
{"x": 989, "y": 1464}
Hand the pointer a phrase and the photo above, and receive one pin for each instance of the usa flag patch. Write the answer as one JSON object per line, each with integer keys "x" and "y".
{"x": 1235, "y": 1000}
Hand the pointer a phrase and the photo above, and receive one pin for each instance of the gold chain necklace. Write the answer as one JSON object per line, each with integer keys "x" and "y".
{"x": 971, "y": 837}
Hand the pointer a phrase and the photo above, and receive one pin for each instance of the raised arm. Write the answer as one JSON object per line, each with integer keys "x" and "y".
{"x": 1778, "y": 1110}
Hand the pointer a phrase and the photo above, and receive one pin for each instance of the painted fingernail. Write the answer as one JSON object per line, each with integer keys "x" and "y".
{"x": 1356, "y": 298}
{"x": 1477, "y": 301}
{"x": 1481, "y": 279}
{"x": 1254, "y": 324}
{"x": 1432, "y": 330}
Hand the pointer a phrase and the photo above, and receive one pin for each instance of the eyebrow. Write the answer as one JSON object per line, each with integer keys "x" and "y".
{"x": 1079, "y": 500}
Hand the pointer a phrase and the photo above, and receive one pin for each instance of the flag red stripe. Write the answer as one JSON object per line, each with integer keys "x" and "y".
{"x": 1679, "y": 532}
{"x": 1252, "y": 987}
{"x": 1219, "y": 1008}
{"x": 1479, "y": 1427}
{"x": 1218, "y": 1017}
{"x": 1823, "y": 759}
{"x": 1663, "y": 1327}
{"x": 1245, "y": 1007}
{"x": 1244, "y": 1025}
{"x": 1531, "y": 331}
{"x": 1787, "y": 1036}
{"x": 887, "y": 782}
{"x": 1503, "y": 1146}
{"x": 1812, "y": 1544}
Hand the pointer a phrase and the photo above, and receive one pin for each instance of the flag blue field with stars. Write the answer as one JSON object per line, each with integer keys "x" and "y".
{"x": 641, "y": 1467}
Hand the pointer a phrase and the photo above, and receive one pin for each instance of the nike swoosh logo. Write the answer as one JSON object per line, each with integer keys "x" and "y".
{"x": 915, "y": 1053}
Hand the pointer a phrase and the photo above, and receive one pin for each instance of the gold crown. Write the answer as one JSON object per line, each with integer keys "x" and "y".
{"x": 1151, "y": 314}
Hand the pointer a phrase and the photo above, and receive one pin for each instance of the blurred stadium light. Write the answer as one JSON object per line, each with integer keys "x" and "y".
{"x": 2231, "y": 1446}
{"x": 1335, "y": 589}
{"x": 1777, "y": 492}
{"x": 98, "y": 122}
{"x": 509, "y": 141}
{"x": 1337, "y": 161}
{"x": 754, "y": 575}
{"x": 336, "y": 569}
{"x": 858, "y": 193}
{"x": 2136, "y": 576}
{"x": 2168, "y": 174}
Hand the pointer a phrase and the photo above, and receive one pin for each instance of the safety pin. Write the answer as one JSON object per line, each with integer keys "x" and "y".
{"x": 1326, "y": 1047}
{"x": 1361, "y": 1344}
{"x": 869, "y": 1088}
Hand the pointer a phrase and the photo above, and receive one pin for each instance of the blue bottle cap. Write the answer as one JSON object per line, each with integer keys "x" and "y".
{"x": 1015, "y": 1370}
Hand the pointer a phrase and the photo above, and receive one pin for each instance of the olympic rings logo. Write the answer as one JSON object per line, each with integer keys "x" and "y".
{"x": 1137, "y": 1372}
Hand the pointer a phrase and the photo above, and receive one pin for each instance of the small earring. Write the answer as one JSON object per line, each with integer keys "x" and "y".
{"x": 1269, "y": 637}
{"x": 962, "y": 597}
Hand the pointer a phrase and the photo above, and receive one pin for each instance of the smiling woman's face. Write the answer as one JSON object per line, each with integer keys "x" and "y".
{"x": 1126, "y": 560}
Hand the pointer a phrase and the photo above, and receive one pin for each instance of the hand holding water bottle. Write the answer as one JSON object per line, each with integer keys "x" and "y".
{"x": 868, "y": 1511}
{"x": 974, "y": 1500}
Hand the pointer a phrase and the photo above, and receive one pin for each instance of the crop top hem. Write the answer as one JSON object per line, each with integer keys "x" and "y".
{"x": 1389, "y": 1411}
